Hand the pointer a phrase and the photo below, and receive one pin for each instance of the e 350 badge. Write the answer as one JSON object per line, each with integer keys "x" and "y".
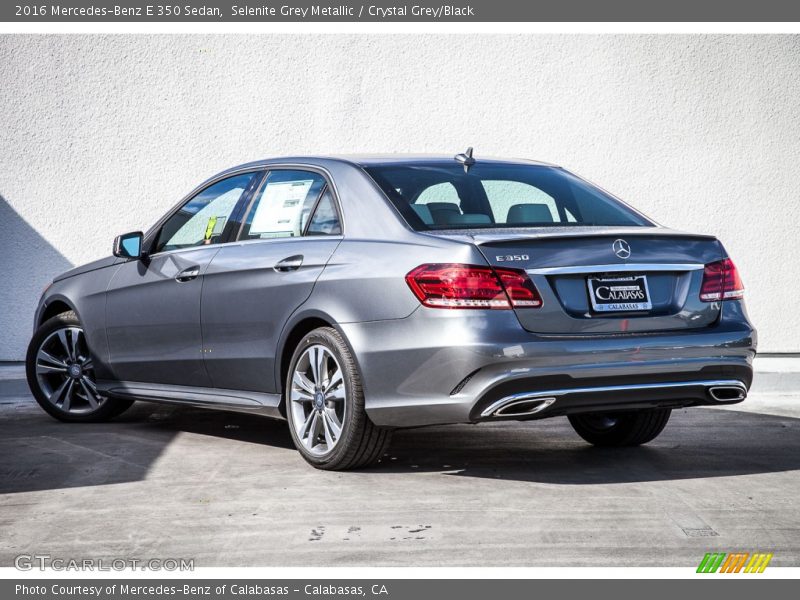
{"x": 511, "y": 257}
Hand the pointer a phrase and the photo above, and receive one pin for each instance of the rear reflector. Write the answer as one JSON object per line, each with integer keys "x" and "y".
{"x": 472, "y": 286}
{"x": 721, "y": 281}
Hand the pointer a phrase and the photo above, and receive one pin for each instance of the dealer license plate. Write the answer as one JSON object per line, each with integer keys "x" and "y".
{"x": 618, "y": 294}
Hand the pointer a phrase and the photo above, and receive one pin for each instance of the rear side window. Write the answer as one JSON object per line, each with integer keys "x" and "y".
{"x": 283, "y": 205}
{"x": 441, "y": 195}
{"x": 325, "y": 220}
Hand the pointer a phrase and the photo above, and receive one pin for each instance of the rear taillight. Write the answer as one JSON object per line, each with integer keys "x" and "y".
{"x": 472, "y": 286}
{"x": 519, "y": 287}
{"x": 721, "y": 281}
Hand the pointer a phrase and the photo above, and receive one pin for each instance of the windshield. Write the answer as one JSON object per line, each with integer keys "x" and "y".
{"x": 440, "y": 195}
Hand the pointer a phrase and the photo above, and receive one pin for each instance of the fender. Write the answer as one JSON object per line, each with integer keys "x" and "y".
{"x": 302, "y": 313}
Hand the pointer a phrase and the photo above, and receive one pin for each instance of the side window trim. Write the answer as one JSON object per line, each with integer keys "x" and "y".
{"x": 291, "y": 167}
{"x": 236, "y": 222}
{"x": 227, "y": 235}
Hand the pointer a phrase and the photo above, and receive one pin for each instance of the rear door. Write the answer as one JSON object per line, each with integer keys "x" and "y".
{"x": 252, "y": 287}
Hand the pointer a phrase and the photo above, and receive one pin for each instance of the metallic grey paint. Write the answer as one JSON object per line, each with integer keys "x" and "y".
{"x": 218, "y": 339}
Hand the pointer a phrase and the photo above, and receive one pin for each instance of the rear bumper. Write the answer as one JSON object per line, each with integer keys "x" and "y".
{"x": 439, "y": 366}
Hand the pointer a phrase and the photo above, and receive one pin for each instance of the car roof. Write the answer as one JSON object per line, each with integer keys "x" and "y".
{"x": 371, "y": 160}
{"x": 374, "y": 160}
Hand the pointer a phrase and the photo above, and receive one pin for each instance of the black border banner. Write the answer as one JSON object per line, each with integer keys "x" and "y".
{"x": 731, "y": 587}
{"x": 217, "y": 11}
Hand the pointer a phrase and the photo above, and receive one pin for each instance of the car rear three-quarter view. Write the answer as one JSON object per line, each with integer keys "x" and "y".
{"x": 356, "y": 295}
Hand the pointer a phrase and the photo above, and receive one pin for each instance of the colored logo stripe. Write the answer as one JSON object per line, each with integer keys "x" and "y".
{"x": 734, "y": 563}
{"x": 758, "y": 563}
{"x": 711, "y": 562}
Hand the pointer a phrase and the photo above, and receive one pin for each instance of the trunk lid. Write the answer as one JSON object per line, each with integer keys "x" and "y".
{"x": 596, "y": 280}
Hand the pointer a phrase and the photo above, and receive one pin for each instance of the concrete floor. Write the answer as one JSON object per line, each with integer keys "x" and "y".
{"x": 229, "y": 490}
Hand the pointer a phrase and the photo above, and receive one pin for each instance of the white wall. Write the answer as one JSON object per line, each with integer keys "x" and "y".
{"x": 101, "y": 134}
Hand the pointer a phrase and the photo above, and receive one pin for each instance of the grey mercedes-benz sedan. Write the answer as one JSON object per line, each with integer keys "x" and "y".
{"x": 356, "y": 295}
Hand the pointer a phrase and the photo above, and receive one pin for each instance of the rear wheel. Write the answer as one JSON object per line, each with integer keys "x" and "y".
{"x": 325, "y": 405}
{"x": 621, "y": 429}
{"x": 60, "y": 372}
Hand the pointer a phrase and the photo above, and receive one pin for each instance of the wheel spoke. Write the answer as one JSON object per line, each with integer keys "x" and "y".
{"x": 67, "y": 403}
{"x": 312, "y": 361}
{"x": 306, "y": 425}
{"x": 302, "y": 382}
{"x": 337, "y": 394}
{"x": 79, "y": 345}
{"x": 330, "y": 439}
{"x": 47, "y": 363}
{"x": 62, "y": 337}
{"x": 335, "y": 380}
{"x": 65, "y": 336}
{"x": 62, "y": 397}
{"x": 47, "y": 357}
{"x": 56, "y": 395}
{"x": 332, "y": 421}
{"x": 301, "y": 396}
{"x": 74, "y": 337}
{"x": 90, "y": 391}
{"x": 322, "y": 367}
{"x": 311, "y": 438}
{"x": 92, "y": 385}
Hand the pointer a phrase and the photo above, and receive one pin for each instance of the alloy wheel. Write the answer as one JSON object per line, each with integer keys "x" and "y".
{"x": 65, "y": 372}
{"x": 317, "y": 399}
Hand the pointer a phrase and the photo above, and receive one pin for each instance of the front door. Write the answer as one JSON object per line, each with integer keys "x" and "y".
{"x": 153, "y": 304}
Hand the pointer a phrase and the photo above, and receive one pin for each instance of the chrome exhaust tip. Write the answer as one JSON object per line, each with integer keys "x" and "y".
{"x": 727, "y": 393}
{"x": 524, "y": 407}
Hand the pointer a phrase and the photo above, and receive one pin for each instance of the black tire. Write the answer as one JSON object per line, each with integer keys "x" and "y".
{"x": 621, "y": 429}
{"x": 107, "y": 408}
{"x": 361, "y": 442}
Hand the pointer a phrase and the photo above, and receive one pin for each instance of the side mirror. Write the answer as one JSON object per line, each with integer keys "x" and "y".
{"x": 129, "y": 245}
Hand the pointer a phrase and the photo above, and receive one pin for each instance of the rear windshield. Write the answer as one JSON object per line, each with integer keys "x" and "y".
{"x": 440, "y": 195}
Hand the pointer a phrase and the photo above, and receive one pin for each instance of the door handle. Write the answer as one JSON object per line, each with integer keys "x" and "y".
{"x": 291, "y": 263}
{"x": 187, "y": 274}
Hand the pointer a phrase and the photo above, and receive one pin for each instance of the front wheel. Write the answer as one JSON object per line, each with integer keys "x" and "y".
{"x": 325, "y": 405}
{"x": 60, "y": 372}
{"x": 621, "y": 429}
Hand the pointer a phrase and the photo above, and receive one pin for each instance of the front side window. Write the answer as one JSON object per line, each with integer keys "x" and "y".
{"x": 441, "y": 195}
{"x": 284, "y": 204}
{"x": 202, "y": 220}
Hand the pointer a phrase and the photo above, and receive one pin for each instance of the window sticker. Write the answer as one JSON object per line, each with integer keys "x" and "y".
{"x": 280, "y": 207}
{"x": 212, "y": 221}
{"x": 214, "y": 227}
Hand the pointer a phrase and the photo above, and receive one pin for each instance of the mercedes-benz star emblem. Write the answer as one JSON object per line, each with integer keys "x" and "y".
{"x": 621, "y": 248}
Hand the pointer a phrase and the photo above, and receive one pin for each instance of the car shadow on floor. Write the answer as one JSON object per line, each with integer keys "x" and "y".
{"x": 41, "y": 453}
{"x": 696, "y": 444}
